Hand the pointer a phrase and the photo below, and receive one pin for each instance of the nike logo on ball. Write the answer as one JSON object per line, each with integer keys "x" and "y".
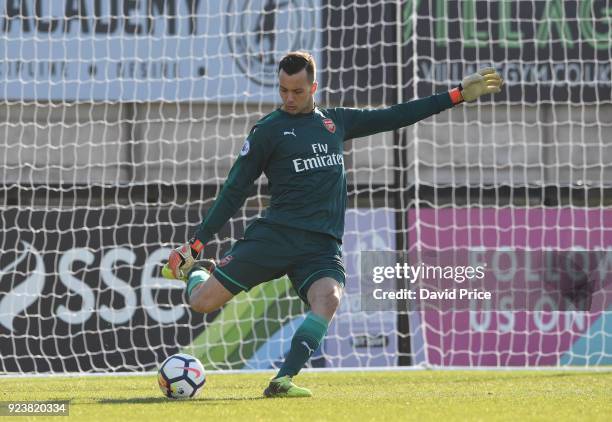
{"x": 196, "y": 371}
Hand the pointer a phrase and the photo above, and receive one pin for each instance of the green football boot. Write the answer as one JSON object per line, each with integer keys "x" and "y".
{"x": 284, "y": 387}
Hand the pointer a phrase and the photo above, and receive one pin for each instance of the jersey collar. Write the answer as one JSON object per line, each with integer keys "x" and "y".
{"x": 299, "y": 115}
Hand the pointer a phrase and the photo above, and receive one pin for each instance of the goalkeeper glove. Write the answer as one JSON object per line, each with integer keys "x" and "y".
{"x": 486, "y": 81}
{"x": 183, "y": 258}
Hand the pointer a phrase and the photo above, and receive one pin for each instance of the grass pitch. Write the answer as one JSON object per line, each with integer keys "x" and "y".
{"x": 376, "y": 396}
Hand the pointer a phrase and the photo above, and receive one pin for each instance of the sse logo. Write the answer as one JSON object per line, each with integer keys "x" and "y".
{"x": 24, "y": 276}
{"x": 261, "y": 29}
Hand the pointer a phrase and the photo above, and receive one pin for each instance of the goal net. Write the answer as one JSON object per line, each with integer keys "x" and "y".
{"x": 121, "y": 119}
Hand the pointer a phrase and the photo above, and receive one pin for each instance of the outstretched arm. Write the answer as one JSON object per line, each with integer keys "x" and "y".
{"x": 363, "y": 122}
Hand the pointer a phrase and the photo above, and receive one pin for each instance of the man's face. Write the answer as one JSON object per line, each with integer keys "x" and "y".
{"x": 297, "y": 92}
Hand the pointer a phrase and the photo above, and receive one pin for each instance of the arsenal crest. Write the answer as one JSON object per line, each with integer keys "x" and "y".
{"x": 329, "y": 125}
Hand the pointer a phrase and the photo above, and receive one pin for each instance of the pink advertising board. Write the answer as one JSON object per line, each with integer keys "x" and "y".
{"x": 505, "y": 338}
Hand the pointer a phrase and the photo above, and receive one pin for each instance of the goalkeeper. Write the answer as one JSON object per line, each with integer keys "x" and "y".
{"x": 299, "y": 148}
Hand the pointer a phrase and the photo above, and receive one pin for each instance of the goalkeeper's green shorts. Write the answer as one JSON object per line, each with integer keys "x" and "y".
{"x": 269, "y": 251}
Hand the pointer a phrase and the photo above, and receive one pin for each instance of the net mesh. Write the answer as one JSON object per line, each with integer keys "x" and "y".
{"x": 120, "y": 121}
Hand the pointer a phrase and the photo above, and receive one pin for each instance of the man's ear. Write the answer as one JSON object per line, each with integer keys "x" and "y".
{"x": 313, "y": 88}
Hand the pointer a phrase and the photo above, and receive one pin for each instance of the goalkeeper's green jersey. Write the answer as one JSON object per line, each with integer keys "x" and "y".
{"x": 302, "y": 157}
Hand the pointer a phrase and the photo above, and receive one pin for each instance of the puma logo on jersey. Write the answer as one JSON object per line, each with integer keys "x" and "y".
{"x": 290, "y": 133}
{"x": 310, "y": 351}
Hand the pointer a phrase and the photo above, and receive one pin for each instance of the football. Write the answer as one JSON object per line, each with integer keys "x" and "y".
{"x": 181, "y": 376}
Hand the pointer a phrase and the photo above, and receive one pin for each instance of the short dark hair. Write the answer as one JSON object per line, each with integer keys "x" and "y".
{"x": 295, "y": 61}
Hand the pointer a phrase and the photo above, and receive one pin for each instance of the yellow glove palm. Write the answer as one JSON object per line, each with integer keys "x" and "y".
{"x": 486, "y": 81}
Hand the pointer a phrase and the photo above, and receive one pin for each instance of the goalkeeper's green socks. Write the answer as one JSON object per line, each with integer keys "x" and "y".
{"x": 197, "y": 276}
{"x": 305, "y": 341}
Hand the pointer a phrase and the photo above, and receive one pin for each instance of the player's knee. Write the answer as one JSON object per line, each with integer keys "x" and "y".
{"x": 327, "y": 300}
{"x": 202, "y": 304}
{"x": 333, "y": 300}
{"x": 209, "y": 296}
